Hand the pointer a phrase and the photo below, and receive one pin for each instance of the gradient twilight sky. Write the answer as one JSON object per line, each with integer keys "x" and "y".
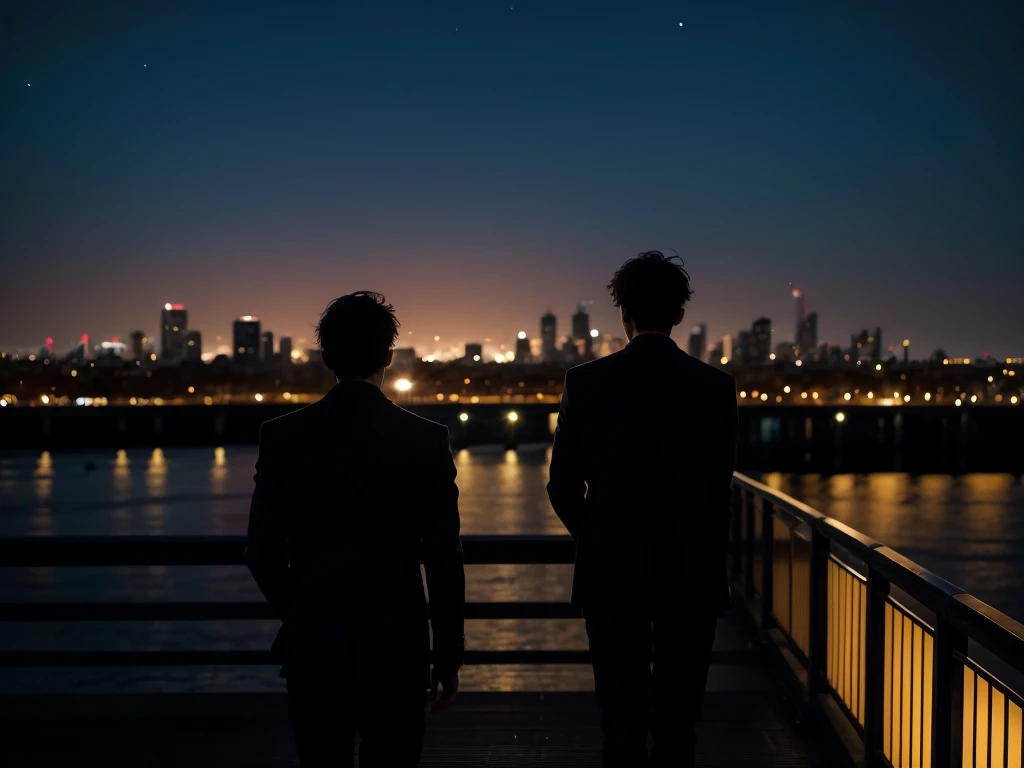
{"x": 480, "y": 162}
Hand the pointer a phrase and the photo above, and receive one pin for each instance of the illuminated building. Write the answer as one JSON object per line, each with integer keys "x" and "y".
{"x": 193, "y": 345}
{"x": 246, "y": 340}
{"x": 173, "y": 324}
{"x": 474, "y": 352}
{"x": 285, "y": 349}
{"x": 549, "y": 337}
{"x": 522, "y": 348}
{"x": 727, "y": 346}
{"x": 698, "y": 345}
{"x": 267, "y": 346}
{"x": 581, "y": 332}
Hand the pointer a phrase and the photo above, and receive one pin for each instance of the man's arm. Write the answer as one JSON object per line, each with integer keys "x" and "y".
{"x": 266, "y": 552}
{"x": 567, "y": 485}
{"x": 722, "y": 463}
{"x": 443, "y": 563}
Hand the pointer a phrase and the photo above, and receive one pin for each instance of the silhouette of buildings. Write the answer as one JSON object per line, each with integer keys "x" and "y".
{"x": 137, "y": 345}
{"x": 193, "y": 346}
{"x": 698, "y": 344}
{"x": 246, "y": 338}
{"x": 474, "y": 352}
{"x": 581, "y": 332}
{"x": 762, "y": 340}
{"x": 267, "y": 346}
{"x": 549, "y": 337}
{"x": 173, "y": 325}
{"x": 403, "y": 357}
{"x": 522, "y": 348}
{"x": 285, "y": 349}
{"x": 807, "y": 336}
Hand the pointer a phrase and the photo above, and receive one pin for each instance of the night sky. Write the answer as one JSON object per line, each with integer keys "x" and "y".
{"x": 481, "y": 162}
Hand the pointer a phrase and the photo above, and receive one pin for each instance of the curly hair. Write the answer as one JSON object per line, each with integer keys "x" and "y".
{"x": 652, "y": 288}
{"x": 355, "y": 333}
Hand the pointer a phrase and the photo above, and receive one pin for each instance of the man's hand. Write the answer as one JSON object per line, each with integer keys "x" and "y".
{"x": 449, "y": 685}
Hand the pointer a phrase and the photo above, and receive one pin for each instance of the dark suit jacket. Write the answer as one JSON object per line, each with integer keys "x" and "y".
{"x": 641, "y": 475}
{"x": 351, "y": 492}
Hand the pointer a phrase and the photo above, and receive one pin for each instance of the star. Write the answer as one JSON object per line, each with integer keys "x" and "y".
{"x": 680, "y": 23}
{"x": 145, "y": 66}
{"x": 29, "y": 85}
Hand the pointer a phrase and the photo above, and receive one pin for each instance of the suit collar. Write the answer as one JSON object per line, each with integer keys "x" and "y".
{"x": 356, "y": 390}
{"x": 652, "y": 341}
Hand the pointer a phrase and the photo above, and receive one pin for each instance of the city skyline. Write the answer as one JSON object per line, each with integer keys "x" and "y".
{"x": 479, "y": 164}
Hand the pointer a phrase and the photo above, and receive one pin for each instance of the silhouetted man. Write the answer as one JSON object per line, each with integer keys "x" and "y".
{"x": 641, "y": 472}
{"x": 350, "y": 493}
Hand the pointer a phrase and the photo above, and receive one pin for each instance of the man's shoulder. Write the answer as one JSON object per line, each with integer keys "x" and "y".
{"x": 716, "y": 378}
{"x": 593, "y": 369}
{"x": 417, "y": 424}
{"x": 292, "y": 421}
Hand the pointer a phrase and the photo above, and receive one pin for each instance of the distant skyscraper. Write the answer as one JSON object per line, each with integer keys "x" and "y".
{"x": 762, "y": 332}
{"x": 404, "y": 357}
{"x": 267, "y": 346}
{"x": 285, "y": 349}
{"x": 807, "y": 336}
{"x": 173, "y": 324}
{"x": 138, "y": 343}
{"x": 698, "y": 345}
{"x": 801, "y": 315}
{"x": 745, "y": 350}
{"x": 522, "y": 348}
{"x": 727, "y": 346}
{"x": 876, "y": 340}
{"x": 246, "y": 337}
{"x": 474, "y": 353}
{"x": 549, "y": 337}
{"x": 193, "y": 345}
{"x": 581, "y": 332}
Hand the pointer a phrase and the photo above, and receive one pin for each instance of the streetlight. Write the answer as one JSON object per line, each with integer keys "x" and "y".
{"x": 840, "y": 416}
{"x": 463, "y": 416}
{"x": 403, "y": 385}
{"x": 594, "y": 333}
{"x": 513, "y": 416}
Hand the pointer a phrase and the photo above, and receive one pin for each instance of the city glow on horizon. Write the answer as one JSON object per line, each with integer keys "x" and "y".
{"x": 403, "y": 385}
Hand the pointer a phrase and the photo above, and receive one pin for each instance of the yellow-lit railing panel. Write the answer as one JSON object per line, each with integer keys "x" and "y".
{"x": 847, "y": 619}
{"x": 992, "y": 734}
{"x": 907, "y": 690}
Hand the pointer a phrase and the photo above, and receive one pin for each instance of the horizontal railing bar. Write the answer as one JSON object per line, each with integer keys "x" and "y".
{"x": 846, "y": 567}
{"x": 917, "y": 581}
{"x": 850, "y": 539}
{"x": 904, "y": 610}
{"x": 237, "y": 611}
{"x": 247, "y": 658}
{"x": 780, "y": 500}
{"x": 992, "y": 680}
{"x": 996, "y": 631}
{"x": 55, "y": 551}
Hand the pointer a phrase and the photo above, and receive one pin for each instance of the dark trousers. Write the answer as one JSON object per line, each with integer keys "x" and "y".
{"x": 327, "y": 714}
{"x": 632, "y": 696}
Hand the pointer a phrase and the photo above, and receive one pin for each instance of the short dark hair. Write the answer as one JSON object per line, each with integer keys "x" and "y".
{"x": 652, "y": 288}
{"x": 355, "y": 333}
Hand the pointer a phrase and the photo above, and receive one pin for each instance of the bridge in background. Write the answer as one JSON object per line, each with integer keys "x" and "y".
{"x": 838, "y": 651}
{"x": 784, "y": 438}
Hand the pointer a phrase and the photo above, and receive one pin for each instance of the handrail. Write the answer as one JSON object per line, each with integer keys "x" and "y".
{"x": 33, "y": 551}
{"x": 869, "y": 654}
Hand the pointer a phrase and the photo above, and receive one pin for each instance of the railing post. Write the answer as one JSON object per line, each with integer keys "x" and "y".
{"x": 767, "y": 558}
{"x": 874, "y": 674}
{"x": 819, "y": 613}
{"x": 947, "y": 696}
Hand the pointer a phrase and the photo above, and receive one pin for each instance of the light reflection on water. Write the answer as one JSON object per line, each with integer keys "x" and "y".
{"x": 969, "y": 529}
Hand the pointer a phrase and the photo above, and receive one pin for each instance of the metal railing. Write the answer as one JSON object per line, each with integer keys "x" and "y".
{"x": 40, "y": 551}
{"x": 908, "y": 685}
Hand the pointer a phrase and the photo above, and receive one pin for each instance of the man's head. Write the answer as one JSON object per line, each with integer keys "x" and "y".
{"x": 650, "y": 291}
{"x": 355, "y": 334}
